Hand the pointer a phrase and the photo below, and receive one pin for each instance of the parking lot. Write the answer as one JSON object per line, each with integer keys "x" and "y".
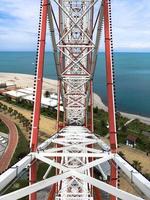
{"x": 3, "y": 142}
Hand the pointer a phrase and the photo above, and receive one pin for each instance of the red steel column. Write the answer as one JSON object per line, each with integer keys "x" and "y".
{"x": 52, "y": 192}
{"x": 91, "y": 106}
{"x": 110, "y": 87}
{"x": 37, "y": 104}
{"x": 97, "y": 194}
{"x": 86, "y": 116}
{"x": 110, "y": 95}
{"x": 58, "y": 105}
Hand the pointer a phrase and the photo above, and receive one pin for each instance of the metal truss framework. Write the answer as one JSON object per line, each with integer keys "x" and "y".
{"x": 76, "y": 49}
{"x": 76, "y": 150}
{"x": 74, "y": 180}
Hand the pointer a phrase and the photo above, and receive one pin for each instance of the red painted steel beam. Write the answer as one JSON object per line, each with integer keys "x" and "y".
{"x": 97, "y": 194}
{"x": 32, "y": 178}
{"x": 91, "y": 127}
{"x": 91, "y": 35}
{"x": 39, "y": 80}
{"x": 52, "y": 192}
{"x": 58, "y": 105}
{"x": 110, "y": 95}
{"x": 113, "y": 177}
{"x": 109, "y": 76}
{"x": 38, "y": 93}
{"x": 91, "y": 106}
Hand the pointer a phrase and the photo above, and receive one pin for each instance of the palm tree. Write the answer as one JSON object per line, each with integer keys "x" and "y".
{"x": 26, "y": 123}
{"x": 1, "y": 106}
{"x": 5, "y": 108}
{"x": 19, "y": 117}
{"x": 23, "y": 120}
{"x": 10, "y": 110}
{"x": 47, "y": 94}
{"x": 137, "y": 165}
{"x": 15, "y": 113}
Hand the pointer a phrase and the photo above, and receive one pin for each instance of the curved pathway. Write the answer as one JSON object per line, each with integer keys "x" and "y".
{"x": 12, "y": 143}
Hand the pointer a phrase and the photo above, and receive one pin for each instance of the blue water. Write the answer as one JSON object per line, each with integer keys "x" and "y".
{"x": 132, "y": 76}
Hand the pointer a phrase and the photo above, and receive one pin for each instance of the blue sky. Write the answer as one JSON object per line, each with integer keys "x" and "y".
{"x": 19, "y": 24}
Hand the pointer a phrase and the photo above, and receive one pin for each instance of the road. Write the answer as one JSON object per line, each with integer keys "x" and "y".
{"x": 12, "y": 143}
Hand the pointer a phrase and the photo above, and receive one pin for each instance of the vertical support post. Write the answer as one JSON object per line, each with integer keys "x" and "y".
{"x": 86, "y": 115}
{"x": 110, "y": 95}
{"x": 64, "y": 117}
{"x": 32, "y": 178}
{"x": 97, "y": 194}
{"x": 37, "y": 104}
{"x": 58, "y": 106}
{"x": 110, "y": 86}
{"x": 91, "y": 106}
{"x": 52, "y": 192}
{"x": 60, "y": 18}
{"x": 91, "y": 35}
{"x": 91, "y": 127}
{"x": 113, "y": 177}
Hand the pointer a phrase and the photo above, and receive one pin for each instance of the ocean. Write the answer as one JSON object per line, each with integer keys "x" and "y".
{"x": 132, "y": 72}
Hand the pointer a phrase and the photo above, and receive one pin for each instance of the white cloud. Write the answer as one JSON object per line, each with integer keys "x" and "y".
{"x": 131, "y": 28}
{"x": 18, "y": 30}
{"x": 19, "y": 24}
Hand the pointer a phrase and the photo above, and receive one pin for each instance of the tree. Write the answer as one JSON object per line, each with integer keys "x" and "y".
{"x": 8, "y": 98}
{"x": 47, "y": 94}
{"x": 137, "y": 165}
{"x": 5, "y": 108}
{"x": 10, "y": 110}
{"x": 19, "y": 116}
{"x": 95, "y": 109}
{"x": 104, "y": 129}
{"x": 15, "y": 113}
{"x": 1, "y": 106}
{"x": 23, "y": 119}
{"x": 26, "y": 123}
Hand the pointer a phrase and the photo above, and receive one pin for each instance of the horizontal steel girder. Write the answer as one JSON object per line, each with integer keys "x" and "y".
{"x": 74, "y": 166}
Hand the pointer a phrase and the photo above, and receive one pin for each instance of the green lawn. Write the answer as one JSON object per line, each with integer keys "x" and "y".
{"x": 101, "y": 124}
{"x": 135, "y": 128}
{"x": 22, "y": 148}
{"x": 3, "y": 128}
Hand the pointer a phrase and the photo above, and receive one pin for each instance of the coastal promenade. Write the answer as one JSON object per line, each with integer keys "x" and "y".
{"x": 12, "y": 143}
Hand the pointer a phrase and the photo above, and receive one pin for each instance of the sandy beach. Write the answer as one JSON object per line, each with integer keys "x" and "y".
{"x": 26, "y": 80}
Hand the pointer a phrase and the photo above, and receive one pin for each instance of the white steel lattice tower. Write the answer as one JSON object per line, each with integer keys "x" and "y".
{"x": 76, "y": 47}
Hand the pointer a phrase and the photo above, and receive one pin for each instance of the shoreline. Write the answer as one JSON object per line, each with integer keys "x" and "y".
{"x": 27, "y": 80}
{"x": 145, "y": 120}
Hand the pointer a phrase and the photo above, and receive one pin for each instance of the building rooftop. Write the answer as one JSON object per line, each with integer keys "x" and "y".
{"x": 27, "y": 94}
{"x": 132, "y": 138}
{"x": 15, "y": 93}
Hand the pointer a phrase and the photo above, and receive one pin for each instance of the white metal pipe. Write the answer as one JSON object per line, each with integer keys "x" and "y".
{"x": 34, "y": 187}
{"x": 47, "y": 172}
{"x": 106, "y": 187}
{"x": 137, "y": 178}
